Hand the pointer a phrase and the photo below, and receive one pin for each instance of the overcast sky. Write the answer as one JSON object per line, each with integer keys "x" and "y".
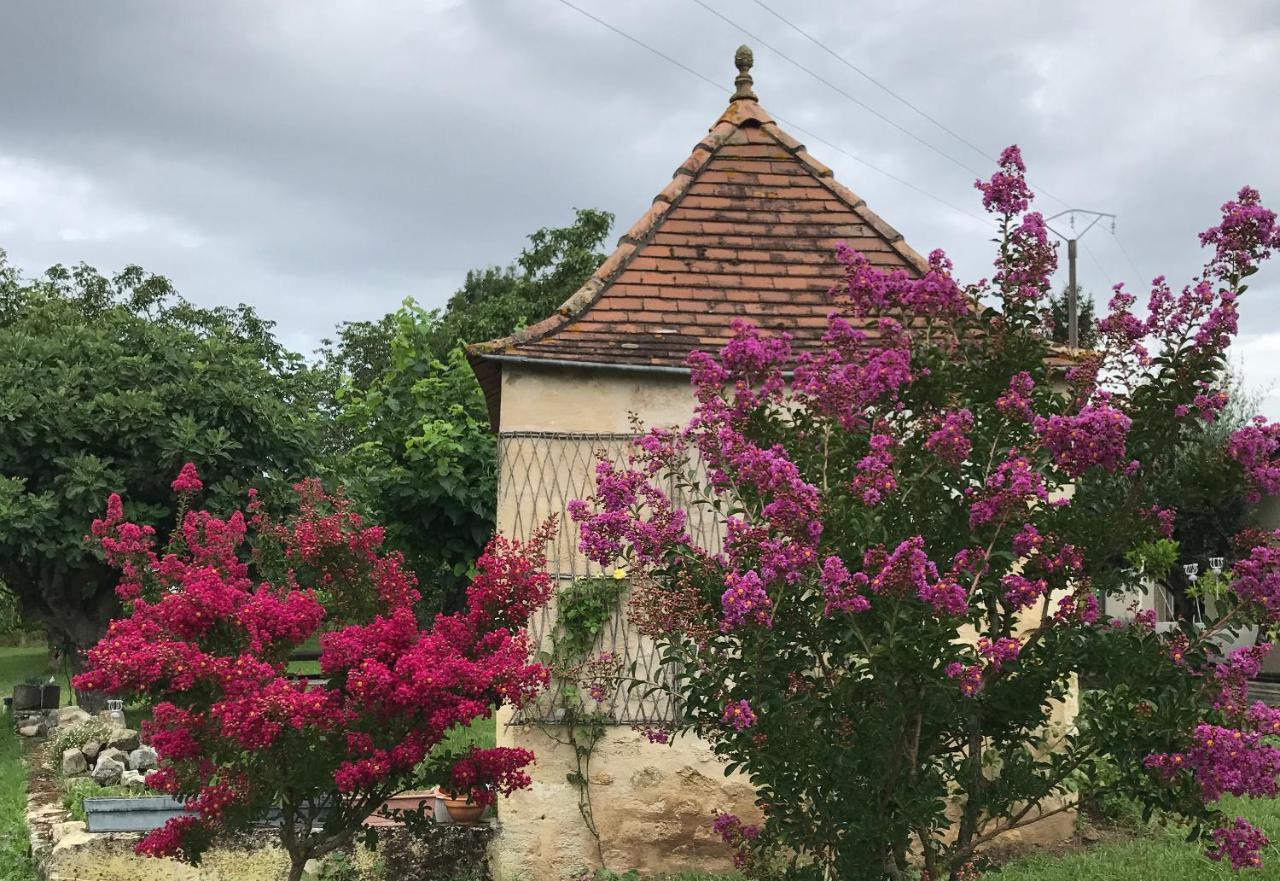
{"x": 323, "y": 160}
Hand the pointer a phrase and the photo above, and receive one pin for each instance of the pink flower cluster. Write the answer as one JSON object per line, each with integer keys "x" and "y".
{"x": 738, "y": 716}
{"x": 950, "y": 440}
{"x": 875, "y": 479}
{"x": 1013, "y": 485}
{"x": 1254, "y": 448}
{"x": 1094, "y": 436}
{"x": 744, "y": 601}
{"x": 187, "y": 481}
{"x": 736, "y": 834}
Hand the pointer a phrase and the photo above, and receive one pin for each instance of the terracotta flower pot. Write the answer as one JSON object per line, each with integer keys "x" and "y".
{"x": 405, "y": 801}
{"x": 460, "y": 810}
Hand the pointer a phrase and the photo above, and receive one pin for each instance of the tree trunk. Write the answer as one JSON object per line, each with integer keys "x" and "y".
{"x": 297, "y": 862}
{"x": 75, "y": 608}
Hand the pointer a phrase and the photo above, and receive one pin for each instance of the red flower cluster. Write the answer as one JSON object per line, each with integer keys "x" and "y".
{"x": 209, "y": 642}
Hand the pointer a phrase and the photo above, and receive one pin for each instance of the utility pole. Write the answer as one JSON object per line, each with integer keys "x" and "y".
{"x": 1073, "y": 292}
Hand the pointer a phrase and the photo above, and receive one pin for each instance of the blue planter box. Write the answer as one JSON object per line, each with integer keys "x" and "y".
{"x": 144, "y": 813}
{"x": 140, "y": 814}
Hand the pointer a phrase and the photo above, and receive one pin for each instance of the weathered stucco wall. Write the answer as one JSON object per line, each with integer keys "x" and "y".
{"x": 652, "y": 804}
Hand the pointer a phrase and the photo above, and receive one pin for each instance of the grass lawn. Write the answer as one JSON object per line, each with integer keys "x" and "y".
{"x": 1163, "y": 855}
{"x": 15, "y": 665}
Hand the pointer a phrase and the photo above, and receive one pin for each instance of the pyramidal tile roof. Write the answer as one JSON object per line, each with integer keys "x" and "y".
{"x": 747, "y": 228}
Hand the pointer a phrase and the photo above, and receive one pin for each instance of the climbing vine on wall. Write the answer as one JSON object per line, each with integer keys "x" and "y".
{"x": 587, "y": 678}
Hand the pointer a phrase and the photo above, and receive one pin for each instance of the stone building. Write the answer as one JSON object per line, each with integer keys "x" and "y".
{"x": 746, "y": 229}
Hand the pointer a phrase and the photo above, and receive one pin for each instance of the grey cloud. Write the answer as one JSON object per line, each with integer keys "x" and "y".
{"x": 324, "y": 160}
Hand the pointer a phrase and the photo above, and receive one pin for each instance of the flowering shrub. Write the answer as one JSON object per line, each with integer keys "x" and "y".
{"x": 212, "y": 622}
{"x": 922, "y": 523}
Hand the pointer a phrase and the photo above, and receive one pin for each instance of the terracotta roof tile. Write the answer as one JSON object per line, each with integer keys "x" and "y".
{"x": 746, "y": 228}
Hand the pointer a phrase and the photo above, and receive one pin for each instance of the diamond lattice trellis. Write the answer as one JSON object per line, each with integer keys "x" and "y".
{"x": 539, "y": 473}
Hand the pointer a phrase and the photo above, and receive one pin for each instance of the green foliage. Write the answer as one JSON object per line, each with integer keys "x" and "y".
{"x": 76, "y": 791}
{"x": 78, "y": 735}
{"x": 1086, "y": 333}
{"x": 15, "y": 861}
{"x": 412, "y": 432}
{"x": 493, "y": 302}
{"x": 1154, "y": 559}
{"x": 110, "y": 385}
{"x": 583, "y": 610}
{"x": 424, "y": 460}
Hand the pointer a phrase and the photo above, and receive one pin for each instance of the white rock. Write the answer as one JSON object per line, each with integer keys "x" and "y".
{"x": 123, "y": 738}
{"x": 115, "y": 755}
{"x": 132, "y": 778}
{"x": 142, "y": 759}
{"x": 72, "y": 716}
{"x": 61, "y": 829}
{"x": 108, "y": 771}
{"x": 73, "y": 762}
{"x": 91, "y": 750}
{"x": 29, "y": 730}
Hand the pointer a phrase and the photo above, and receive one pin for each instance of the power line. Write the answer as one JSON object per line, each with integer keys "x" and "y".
{"x": 875, "y": 82}
{"x": 706, "y": 79}
{"x": 867, "y": 107}
{"x": 1128, "y": 259}
{"x": 827, "y": 49}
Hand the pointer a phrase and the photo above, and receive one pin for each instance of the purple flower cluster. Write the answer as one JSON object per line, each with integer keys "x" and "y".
{"x": 1015, "y": 402}
{"x": 1094, "y": 436}
{"x": 869, "y": 290}
{"x": 627, "y": 511}
{"x": 1011, "y": 487}
{"x": 970, "y": 677}
{"x": 841, "y": 588}
{"x": 1224, "y": 761}
{"x": 1241, "y": 843}
{"x": 950, "y": 440}
{"x": 1256, "y": 580}
{"x": 738, "y": 716}
{"x": 1007, "y": 191}
{"x": 852, "y": 372}
{"x": 744, "y": 601}
{"x": 1254, "y": 448}
{"x": 946, "y": 596}
{"x": 875, "y": 479}
{"x": 1247, "y": 235}
{"x": 907, "y": 571}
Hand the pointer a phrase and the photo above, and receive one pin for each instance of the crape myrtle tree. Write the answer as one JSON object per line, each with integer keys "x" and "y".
{"x": 212, "y": 621}
{"x": 919, "y": 521}
{"x": 112, "y": 384}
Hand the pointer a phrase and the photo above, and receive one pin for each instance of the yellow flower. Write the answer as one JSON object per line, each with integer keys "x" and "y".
{"x": 619, "y": 573}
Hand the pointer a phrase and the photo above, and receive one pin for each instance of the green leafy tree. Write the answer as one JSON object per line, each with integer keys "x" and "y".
{"x": 110, "y": 384}
{"x": 416, "y": 449}
{"x": 1060, "y": 316}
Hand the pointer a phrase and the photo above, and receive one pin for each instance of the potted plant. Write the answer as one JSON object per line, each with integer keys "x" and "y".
{"x": 457, "y": 809}
{"x": 27, "y": 694}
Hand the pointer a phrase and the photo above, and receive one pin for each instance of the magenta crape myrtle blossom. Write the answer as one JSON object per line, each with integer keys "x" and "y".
{"x": 210, "y": 625}
{"x": 920, "y": 521}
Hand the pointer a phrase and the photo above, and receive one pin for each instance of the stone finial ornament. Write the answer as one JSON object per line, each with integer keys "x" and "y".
{"x": 743, "y": 58}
